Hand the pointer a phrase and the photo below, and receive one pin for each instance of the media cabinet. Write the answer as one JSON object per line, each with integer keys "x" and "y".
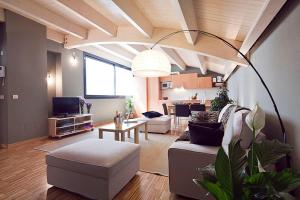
{"x": 59, "y": 127}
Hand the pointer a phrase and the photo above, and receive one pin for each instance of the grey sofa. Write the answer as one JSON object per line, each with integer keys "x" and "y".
{"x": 185, "y": 158}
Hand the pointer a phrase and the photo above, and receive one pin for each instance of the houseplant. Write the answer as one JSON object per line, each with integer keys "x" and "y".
{"x": 129, "y": 107}
{"x": 221, "y": 100}
{"x": 241, "y": 174}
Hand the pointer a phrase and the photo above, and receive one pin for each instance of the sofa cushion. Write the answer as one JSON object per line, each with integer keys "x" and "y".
{"x": 95, "y": 157}
{"x": 202, "y": 135}
{"x": 152, "y": 114}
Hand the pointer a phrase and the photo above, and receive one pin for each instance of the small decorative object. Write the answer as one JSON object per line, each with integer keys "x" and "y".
{"x": 222, "y": 100}
{"x": 195, "y": 96}
{"x": 118, "y": 120}
{"x": 129, "y": 107}
{"x": 214, "y": 79}
{"x": 88, "y": 107}
{"x": 219, "y": 79}
{"x": 81, "y": 103}
{"x": 240, "y": 174}
{"x": 165, "y": 98}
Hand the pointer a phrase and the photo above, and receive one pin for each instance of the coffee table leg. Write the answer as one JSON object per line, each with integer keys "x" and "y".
{"x": 146, "y": 131}
{"x": 128, "y": 134}
{"x": 122, "y": 136}
{"x": 136, "y": 135}
{"x": 100, "y": 134}
{"x": 117, "y": 137}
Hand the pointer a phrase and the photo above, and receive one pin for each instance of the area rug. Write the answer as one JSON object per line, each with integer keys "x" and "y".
{"x": 154, "y": 152}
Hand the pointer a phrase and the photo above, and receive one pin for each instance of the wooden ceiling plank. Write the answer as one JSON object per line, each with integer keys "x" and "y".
{"x": 92, "y": 16}
{"x": 187, "y": 18}
{"x": 135, "y": 49}
{"x": 116, "y": 51}
{"x": 55, "y": 36}
{"x": 173, "y": 56}
{"x": 44, "y": 16}
{"x": 266, "y": 15}
{"x": 134, "y": 16}
{"x": 202, "y": 64}
{"x": 205, "y": 46}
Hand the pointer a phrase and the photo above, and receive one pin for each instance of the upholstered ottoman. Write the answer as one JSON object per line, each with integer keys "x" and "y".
{"x": 158, "y": 124}
{"x": 94, "y": 168}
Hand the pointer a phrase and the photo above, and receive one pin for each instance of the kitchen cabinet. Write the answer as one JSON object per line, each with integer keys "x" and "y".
{"x": 204, "y": 82}
{"x": 165, "y": 78}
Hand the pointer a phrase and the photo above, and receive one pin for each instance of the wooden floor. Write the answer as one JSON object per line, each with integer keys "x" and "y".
{"x": 23, "y": 176}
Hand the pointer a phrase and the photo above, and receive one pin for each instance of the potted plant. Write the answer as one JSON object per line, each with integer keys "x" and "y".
{"x": 221, "y": 100}
{"x": 240, "y": 174}
{"x": 129, "y": 107}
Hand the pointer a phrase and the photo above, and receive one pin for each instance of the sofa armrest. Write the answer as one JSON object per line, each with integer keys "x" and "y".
{"x": 184, "y": 160}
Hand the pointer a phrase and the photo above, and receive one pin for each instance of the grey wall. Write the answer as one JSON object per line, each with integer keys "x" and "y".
{"x": 277, "y": 58}
{"x": 25, "y": 56}
{"x": 72, "y": 83}
{"x": 3, "y": 91}
{"x": 51, "y": 83}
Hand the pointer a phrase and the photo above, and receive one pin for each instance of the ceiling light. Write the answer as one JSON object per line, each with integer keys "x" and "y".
{"x": 151, "y": 63}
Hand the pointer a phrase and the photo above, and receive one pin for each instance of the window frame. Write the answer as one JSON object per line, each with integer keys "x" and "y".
{"x": 114, "y": 65}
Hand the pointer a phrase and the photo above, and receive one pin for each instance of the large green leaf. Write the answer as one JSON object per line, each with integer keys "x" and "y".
{"x": 269, "y": 151}
{"x": 214, "y": 189}
{"x": 230, "y": 170}
{"x": 286, "y": 180}
{"x": 224, "y": 172}
{"x": 271, "y": 185}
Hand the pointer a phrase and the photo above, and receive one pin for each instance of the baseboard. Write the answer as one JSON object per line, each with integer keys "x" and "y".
{"x": 27, "y": 141}
{"x": 100, "y": 123}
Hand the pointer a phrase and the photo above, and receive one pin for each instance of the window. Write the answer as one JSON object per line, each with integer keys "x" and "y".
{"x": 104, "y": 79}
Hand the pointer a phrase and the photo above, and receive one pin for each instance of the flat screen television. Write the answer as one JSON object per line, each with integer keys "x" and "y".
{"x": 64, "y": 106}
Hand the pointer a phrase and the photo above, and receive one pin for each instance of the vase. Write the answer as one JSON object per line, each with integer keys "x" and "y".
{"x": 81, "y": 110}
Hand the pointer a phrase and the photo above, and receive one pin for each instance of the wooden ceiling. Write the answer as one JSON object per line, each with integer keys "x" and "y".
{"x": 119, "y": 29}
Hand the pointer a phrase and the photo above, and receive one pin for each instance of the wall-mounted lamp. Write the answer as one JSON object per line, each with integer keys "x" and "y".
{"x": 50, "y": 79}
{"x": 73, "y": 59}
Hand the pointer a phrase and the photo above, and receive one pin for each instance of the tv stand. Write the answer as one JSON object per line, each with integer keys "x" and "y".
{"x": 63, "y": 126}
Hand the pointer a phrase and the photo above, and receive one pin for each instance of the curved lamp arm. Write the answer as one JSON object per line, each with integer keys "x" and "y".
{"x": 252, "y": 66}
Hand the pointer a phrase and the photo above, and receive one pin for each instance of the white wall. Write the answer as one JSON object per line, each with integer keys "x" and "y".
{"x": 186, "y": 94}
{"x": 277, "y": 58}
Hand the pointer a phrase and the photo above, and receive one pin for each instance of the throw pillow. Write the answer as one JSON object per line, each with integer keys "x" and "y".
{"x": 204, "y": 116}
{"x": 152, "y": 114}
{"x": 228, "y": 130}
{"x": 185, "y": 136}
{"x": 226, "y": 115}
{"x": 202, "y": 135}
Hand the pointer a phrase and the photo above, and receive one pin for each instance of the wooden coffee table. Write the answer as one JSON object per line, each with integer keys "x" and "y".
{"x": 126, "y": 127}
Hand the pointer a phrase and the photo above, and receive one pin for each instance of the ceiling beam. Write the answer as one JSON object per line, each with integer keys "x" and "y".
{"x": 174, "y": 58}
{"x": 266, "y": 15}
{"x": 229, "y": 69}
{"x": 89, "y": 14}
{"x": 55, "y": 36}
{"x": 99, "y": 52}
{"x": 2, "y": 16}
{"x": 116, "y": 51}
{"x": 205, "y": 45}
{"x": 135, "y": 49}
{"x": 134, "y": 16}
{"x": 202, "y": 64}
{"x": 184, "y": 10}
{"x": 42, "y": 15}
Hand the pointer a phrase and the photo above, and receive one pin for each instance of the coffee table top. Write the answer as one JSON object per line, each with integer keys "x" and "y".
{"x": 125, "y": 126}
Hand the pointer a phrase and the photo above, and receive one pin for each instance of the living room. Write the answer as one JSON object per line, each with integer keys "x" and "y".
{"x": 129, "y": 99}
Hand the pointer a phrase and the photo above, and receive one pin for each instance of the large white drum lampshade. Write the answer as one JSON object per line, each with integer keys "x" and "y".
{"x": 151, "y": 63}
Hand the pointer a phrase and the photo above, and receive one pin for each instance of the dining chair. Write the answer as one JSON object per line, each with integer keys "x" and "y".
{"x": 197, "y": 107}
{"x": 182, "y": 110}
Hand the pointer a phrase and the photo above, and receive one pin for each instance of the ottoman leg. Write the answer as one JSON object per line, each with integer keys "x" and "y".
{"x": 136, "y": 135}
{"x": 122, "y": 136}
{"x": 100, "y": 134}
{"x": 117, "y": 137}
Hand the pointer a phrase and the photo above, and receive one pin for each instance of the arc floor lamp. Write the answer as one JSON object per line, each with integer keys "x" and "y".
{"x": 151, "y": 63}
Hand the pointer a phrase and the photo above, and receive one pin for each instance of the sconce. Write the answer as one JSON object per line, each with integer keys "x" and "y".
{"x": 73, "y": 59}
{"x": 50, "y": 79}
